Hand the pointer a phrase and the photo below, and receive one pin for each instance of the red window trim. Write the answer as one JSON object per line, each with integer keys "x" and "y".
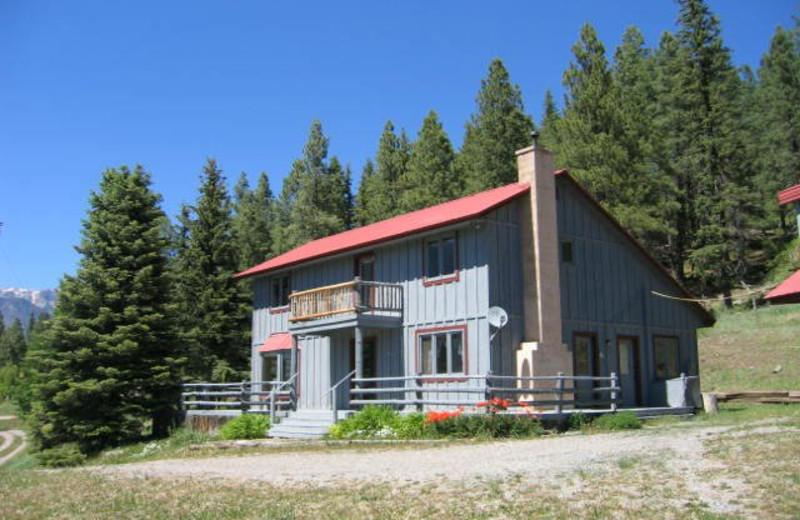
{"x": 445, "y": 378}
{"x": 439, "y": 280}
{"x": 653, "y": 345}
{"x": 279, "y": 310}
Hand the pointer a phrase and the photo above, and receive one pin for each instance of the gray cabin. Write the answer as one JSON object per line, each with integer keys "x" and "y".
{"x": 398, "y": 311}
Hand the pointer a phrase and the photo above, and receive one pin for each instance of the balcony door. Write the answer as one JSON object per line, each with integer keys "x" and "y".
{"x": 365, "y": 271}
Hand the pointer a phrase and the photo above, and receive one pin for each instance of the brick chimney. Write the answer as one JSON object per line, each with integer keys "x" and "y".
{"x": 542, "y": 351}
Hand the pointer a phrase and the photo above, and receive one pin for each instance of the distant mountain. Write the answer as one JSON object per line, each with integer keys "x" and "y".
{"x": 21, "y": 303}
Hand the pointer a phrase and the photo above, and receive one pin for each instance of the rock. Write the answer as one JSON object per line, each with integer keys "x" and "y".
{"x": 777, "y": 369}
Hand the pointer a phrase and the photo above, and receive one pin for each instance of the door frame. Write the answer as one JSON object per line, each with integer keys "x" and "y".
{"x": 636, "y": 365}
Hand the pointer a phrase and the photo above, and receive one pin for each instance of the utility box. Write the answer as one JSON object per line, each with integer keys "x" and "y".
{"x": 684, "y": 392}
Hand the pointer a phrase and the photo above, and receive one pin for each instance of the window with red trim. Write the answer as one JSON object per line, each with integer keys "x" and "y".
{"x": 441, "y": 353}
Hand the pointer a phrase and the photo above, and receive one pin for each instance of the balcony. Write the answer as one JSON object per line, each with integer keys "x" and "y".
{"x": 357, "y": 302}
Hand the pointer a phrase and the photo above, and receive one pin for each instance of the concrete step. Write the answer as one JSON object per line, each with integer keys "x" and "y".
{"x": 304, "y": 424}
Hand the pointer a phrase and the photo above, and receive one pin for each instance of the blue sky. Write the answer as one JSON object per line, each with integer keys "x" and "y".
{"x": 90, "y": 85}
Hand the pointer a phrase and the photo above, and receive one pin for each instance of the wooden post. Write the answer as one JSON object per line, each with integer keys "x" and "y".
{"x": 418, "y": 392}
{"x": 710, "y": 402}
{"x": 560, "y": 393}
{"x": 272, "y": 405}
{"x": 614, "y": 391}
{"x": 359, "y": 346}
{"x": 244, "y": 398}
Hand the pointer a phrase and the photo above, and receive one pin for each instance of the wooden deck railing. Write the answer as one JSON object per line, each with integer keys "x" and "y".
{"x": 353, "y": 296}
{"x": 264, "y": 397}
{"x": 561, "y": 392}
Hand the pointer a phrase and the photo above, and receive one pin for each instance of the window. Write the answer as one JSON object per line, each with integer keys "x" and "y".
{"x": 441, "y": 263}
{"x": 586, "y": 356}
{"x": 275, "y": 367}
{"x": 566, "y": 252}
{"x": 280, "y": 291}
{"x": 442, "y": 352}
{"x": 666, "y": 357}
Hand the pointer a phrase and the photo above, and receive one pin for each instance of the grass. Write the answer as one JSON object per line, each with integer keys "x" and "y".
{"x": 744, "y": 348}
{"x": 7, "y": 408}
{"x": 756, "y": 473}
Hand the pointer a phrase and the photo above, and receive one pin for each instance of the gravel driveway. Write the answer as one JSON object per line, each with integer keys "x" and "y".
{"x": 535, "y": 458}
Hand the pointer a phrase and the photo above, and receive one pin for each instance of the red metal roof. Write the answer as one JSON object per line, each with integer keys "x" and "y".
{"x": 280, "y": 341}
{"x": 787, "y": 292}
{"x": 434, "y": 217}
{"x": 789, "y": 195}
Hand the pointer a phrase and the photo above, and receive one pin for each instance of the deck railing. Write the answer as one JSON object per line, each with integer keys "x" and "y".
{"x": 262, "y": 397}
{"x": 353, "y": 296}
{"x": 556, "y": 392}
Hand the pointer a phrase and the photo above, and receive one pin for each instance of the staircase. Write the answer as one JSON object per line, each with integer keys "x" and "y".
{"x": 305, "y": 424}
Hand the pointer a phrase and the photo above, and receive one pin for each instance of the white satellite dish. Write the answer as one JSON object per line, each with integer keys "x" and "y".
{"x": 497, "y": 317}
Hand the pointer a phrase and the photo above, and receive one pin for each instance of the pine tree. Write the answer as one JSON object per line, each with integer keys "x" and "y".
{"x": 110, "y": 368}
{"x": 711, "y": 151}
{"x": 429, "y": 179}
{"x": 776, "y": 127}
{"x": 253, "y": 219}
{"x": 494, "y": 133}
{"x": 12, "y": 344}
{"x": 548, "y": 132}
{"x": 378, "y": 191}
{"x": 315, "y": 200}
{"x": 209, "y": 302}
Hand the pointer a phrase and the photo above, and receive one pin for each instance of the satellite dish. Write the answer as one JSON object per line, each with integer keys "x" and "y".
{"x": 497, "y": 317}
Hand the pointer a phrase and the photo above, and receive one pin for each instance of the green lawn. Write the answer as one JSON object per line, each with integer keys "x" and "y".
{"x": 745, "y": 347}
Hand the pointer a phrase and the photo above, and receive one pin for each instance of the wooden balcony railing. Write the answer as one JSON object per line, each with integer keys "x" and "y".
{"x": 353, "y": 296}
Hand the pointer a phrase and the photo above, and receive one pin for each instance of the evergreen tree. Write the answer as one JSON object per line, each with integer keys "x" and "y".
{"x": 378, "y": 191}
{"x": 549, "y": 127}
{"x": 494, "y": 133}
{"x": 210, "y": 304}
{"x": 712, "y": 151}
{"x": 110, "y": 367}
{"x": 12, "y": 344}
{"x": 776, "y": 126}
{"x": 2, "y": 325}
{"x": 597, "y": 142}
{"x": 315, "y": 200}
{"x": 429, "y": 179}
{"x": 252, "y": 221}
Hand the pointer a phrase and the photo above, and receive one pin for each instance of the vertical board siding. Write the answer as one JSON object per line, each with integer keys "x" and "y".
{"x": 607, "y": 290}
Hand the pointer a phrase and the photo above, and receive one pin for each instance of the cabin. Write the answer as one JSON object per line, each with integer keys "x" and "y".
{"x": 531, "y": 289}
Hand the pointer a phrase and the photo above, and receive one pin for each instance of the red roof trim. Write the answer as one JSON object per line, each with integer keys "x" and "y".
{"x": 278, "y": 341}
{"x": 441, "y": 215}
{"x": 709, "y": 318}
{"x": 789, "y": 195}
{"x": 787, "y": 292}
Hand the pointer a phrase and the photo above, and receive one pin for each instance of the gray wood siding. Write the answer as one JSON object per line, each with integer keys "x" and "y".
{"x": 607, "y": 290}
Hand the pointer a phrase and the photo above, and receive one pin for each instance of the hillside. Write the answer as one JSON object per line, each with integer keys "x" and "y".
{"x": 21, "y": 303}
{"x": 752, "y": 350}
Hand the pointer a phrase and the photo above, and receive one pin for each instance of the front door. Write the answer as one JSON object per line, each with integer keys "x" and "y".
{"x": 630, "y": 378}
{"x": 586, "y": 363}
{"x": 370, "y": 363}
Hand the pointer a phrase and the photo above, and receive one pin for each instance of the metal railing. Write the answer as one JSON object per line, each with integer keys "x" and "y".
{"x": 557, "y": 392}
{"x": 353, "y": 296}
{"x": 265, "y": 397}
{"x": 332, "y": 392}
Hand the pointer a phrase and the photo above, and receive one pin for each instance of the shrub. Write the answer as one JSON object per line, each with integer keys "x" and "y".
{"x": 412, "y": 426}
{"x": 487, "y": 426}
{"x": 617, "y": 421}
{"x": 246, "y": 426}
{"x": 63, "y": 456}
{"x": 578, "y": 421}
{"x": 371, "y": 421}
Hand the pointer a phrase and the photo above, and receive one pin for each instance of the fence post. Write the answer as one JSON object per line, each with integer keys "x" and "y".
{"x": 614, "y": 391}
{"x": 334, "y": 405}
{"x": 418, "y": 392}
{"x": 560, "y": 393}
{"x": 272, "y": 405}
{"x": 244, "y": 398}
